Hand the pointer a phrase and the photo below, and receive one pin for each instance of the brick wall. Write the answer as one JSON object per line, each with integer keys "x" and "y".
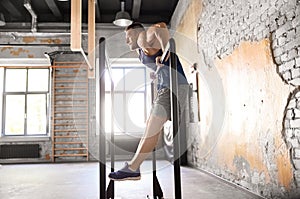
{"x": 224, "y": 24}
{"x": 292, "y": 131}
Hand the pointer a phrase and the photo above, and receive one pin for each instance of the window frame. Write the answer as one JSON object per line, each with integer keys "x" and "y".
{"x": 125, "y": 92}
{"x": 26, "y": 93}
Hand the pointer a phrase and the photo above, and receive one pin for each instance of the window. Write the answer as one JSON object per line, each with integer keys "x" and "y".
{"x": 25, "y": 102}
{"x": 131, "y": 100}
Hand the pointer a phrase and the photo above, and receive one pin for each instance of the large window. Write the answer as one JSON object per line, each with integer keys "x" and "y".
{"x": 131, "y": 100}
{"x": 25, "y": 102}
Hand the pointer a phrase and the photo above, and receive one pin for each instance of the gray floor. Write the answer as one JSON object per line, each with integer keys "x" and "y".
{"x": 81, "y": 181}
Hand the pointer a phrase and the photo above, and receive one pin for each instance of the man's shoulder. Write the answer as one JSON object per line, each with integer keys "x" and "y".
{"x": 159, "y": 25}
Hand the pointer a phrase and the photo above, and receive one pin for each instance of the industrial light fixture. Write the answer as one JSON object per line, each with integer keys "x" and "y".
{"x": 122, "y": 17}
{"x": 2, "y": 20}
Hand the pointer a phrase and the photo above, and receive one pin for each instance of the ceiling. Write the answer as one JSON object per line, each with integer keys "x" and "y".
{"x": 58, "y": 11}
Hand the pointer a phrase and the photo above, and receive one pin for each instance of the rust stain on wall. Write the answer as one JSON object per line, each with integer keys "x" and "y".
{"x": 5, "y": 48}
{"x": 255, "y": 102}
{"x": 17, "y": 52}
{"x": 29, "y": 39}
{"x": 51, "y": 41}
{"x": 47, "y": 156}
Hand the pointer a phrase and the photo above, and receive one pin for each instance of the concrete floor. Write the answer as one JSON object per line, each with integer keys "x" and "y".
{"x": 81, "y": 181}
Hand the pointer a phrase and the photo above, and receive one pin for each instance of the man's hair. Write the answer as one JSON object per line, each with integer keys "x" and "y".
{"x": 135, "y": 25}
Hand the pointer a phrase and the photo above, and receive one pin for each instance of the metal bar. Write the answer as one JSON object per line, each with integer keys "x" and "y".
{"x": 175, "y": 120}
{"x": 110, "y": 191}
{"x": 112, "y": 140}
{"x": 102, "y": 138}
{"x": 157, "y": 191}
{"x": 153, "y": 172}
{"x": 153, "y": 152}
{"x": 165, "y": 53}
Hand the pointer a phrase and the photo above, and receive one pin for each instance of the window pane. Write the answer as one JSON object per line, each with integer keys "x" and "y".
{"x": 14, "y": 118}
{"x": 135, "y": 79}
{"x": 36, "y": 114}
{"x": 119, "y": 125}
{"x": 38, "y": 79}
{"x": 15, "y": 80}
{"x": 135, "y": 119}
{"x": 107, "y": 81}
{"x": 118, "y": 79}
{"x": 107, "y": 113}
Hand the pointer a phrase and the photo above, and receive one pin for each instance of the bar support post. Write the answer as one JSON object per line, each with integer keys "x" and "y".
{"x": 175, "y": 118}
{"x": 102, "y": 136}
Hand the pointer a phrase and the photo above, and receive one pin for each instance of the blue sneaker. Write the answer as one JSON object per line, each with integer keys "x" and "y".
{"x": 125, "y": 174}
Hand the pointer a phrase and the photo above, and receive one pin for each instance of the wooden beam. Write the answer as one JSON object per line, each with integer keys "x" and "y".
{"x": 91, "y": 37}
{"x": 76, "y": 12}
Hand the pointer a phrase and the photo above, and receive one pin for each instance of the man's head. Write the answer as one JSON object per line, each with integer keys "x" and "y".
{"x": 132, "y": 34}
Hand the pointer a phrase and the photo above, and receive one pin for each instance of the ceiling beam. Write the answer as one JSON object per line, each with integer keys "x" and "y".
{"x": 11, "y": 8}
{"x": 76, "y": 14}
{"x": 76, "y": 25}
{"x": 136, "y": 7}
{"x": 54, "y": 8}
{"x": 97, "y": 7}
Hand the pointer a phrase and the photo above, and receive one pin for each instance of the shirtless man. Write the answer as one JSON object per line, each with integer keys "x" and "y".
{"x": 150, "y": 45}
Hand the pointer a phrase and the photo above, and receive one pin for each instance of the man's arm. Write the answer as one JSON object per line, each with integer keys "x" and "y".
{"x": 162, "y": 34}
{"x": 155, "y": 38}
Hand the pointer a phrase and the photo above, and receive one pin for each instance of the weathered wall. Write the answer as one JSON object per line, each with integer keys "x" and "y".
{"x": 248, "y": 58}
{"x": 251, "y": 143}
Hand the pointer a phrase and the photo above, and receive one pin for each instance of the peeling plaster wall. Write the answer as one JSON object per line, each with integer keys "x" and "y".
{"x": 251, "y": 143}
{"x": 248, "y": 58}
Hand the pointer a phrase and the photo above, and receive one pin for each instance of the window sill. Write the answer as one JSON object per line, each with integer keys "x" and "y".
{"x": 24, "y": 138}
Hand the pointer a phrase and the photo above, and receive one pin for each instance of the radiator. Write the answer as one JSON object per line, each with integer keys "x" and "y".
{"x": 19, "y": 151}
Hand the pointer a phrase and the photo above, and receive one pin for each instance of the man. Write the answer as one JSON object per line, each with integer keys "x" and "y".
{"x": 150, "y": 45}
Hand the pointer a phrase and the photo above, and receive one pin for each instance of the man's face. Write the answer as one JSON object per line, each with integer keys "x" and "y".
{"x": 131, "y": 39}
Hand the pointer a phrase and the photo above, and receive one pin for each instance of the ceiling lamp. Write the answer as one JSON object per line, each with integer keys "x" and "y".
{"x": 2, "y": 20}
{"x": 122, "y": 18}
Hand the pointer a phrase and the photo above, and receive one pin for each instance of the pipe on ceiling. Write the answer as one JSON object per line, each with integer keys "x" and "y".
{"x": 27, "y": 5}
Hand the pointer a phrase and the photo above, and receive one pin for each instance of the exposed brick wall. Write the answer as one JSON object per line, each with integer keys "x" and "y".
{"x": 225, "y": 23}
{"x": 292, "y": 131}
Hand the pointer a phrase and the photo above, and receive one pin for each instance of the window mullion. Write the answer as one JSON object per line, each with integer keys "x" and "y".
{"x": 26, "y": 93}
{"x": 124, "y": 102}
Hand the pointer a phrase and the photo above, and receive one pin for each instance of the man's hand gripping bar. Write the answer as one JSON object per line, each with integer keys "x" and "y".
{"x": 163, "y": 57}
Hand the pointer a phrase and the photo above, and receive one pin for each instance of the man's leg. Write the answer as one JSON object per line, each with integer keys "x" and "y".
{"x": 160, "y": 112}
{"x": 131, "y": 171}
{"x": 148, "y": 142}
